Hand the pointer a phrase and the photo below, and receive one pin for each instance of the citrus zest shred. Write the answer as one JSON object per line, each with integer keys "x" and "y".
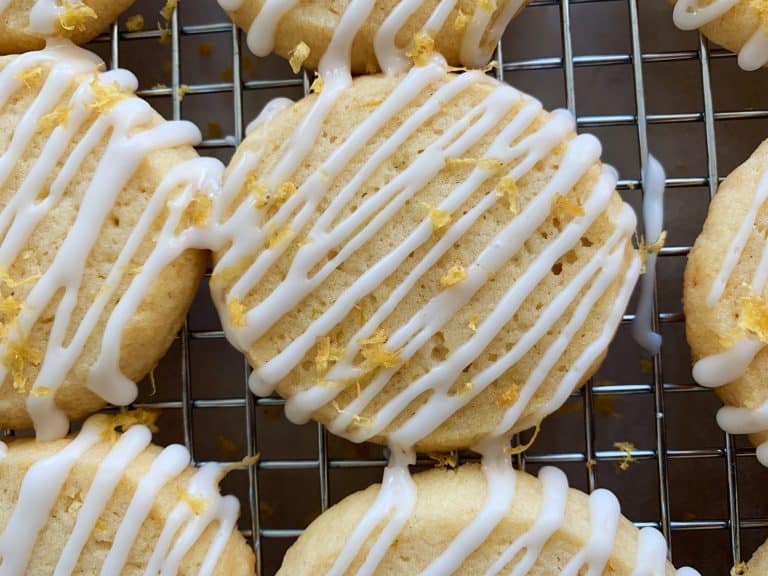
{"x": 754, "y": 316}
{"x": 298, "y": 56}
{"x": 167, "y": 10}
{"x": 628, "y": 459}
{"x": 356, "y": 418}
{"x": 74, "y": 16}
{"x": 507, "y": 189}
{"x": 198, "y": 211}
{"x": 196, "y": 504}
{"x": 225, "y": 469}
{"x": 326, "y": 353}
{"x": 439, "y": 218}
{"x": 379, "y": 338}
{"x": 454, "y": 275}
{"x": 563, "y": 206}
{"x": 423, "y": 48}
{"x": 278, "y": 236}
{"x": 484, "y": 163}
{"x": 236, "y": 311}
{"x": 19, "y": 355}
{"x": 450, "y": 460}
{"x": 105, "y": 96}
{"x": 473, "y": 320}
{"x": 41, "y": 391}
{"x": 509, "y": 396}
{"x": 461, "y": 21}
{"x": 30, "y": 76}
{"x": 488, "y": 5}
{"x": 54, "y": 119}
{"x": 135, "y": 23}
{"x": 182, "y": 91}
{"x": 165, "y": 34}
{"x": 376, "y": 354}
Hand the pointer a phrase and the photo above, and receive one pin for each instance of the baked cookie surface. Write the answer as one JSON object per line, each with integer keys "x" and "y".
{"x": 101, "y": 201}
{"x": 110, "y": 503}
{"x": 471, "y": 522}
{"x": 24, "y": 24}
{"x": 724, "y": 300}
{"x": 425, "y": 260}
{"x": 741, "y": 26}
{"x": 465, "y": 31}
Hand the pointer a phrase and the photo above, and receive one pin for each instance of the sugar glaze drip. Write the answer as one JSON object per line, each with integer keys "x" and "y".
{"x": 481, "y": 34}
{"x": 690, "y": 15}
{"x": 128, "y": 143}
{"x": 44, "y": 480}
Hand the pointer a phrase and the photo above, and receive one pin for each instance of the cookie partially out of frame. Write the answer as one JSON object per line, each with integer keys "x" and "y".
{"x": 465, "y": 32}
{"x": 741, "y": 26}
{"x": 423, "y": 260}
{"x": 466, "y": 522}
{"x": 24, "y": 24}
{"x": 726, "y": 309}
{"x": 100, "y": 204}
{"x": 110, "y": 503}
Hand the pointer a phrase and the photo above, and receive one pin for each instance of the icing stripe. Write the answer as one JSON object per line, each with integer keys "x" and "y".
{"x": 690, "y": 15}
{"x": 43, "y": 483}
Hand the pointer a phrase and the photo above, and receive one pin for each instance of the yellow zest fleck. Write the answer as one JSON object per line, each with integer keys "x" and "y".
{"x": 376, "y": 354}
{"x": 450, "y": 460}
{"x": 205, "y": 49}
{"x": 754, "y": 316}
{"x": 160, "y": 86}
{"x": 513, "y": 450}
{"x": 228, "y": 273}
{"x": 75, "y": 15}
{"x": 488, "y": 5}
{"x": 122, "y": 421}
{"x": 165, "y": 34}
{"x": 10, "y": 307}
{"x": 6, "y": 279}
{"x": 563, "y": 206}
{"x": 317, "y": 85}
{"x": 484, "y": 163}
{"x": 182, "y": 91}
{"x": 18, "y": 356}
{"x": 326, "y": 353}
{"x": 54, "y": 119}
{"x": 454, "y": 275}
{"x": 645, "y": 249}
{"x": 236, "y": 311}
{"x": 509, "y": 396}
{"x": 30, "y": 76}
{"x": 379, "y": 338}
{"x": 739, "y": 569}
{"x": 135, "y": 23}
{"x": 198, "y": 212}
{"x": 41, "y": 391}
{"x": 439, "y": 218}
{"x": 507, "y": 189}
{"x": 278, "y": 236}
{"x": 105, "y": 96}
{"x": 263, "y": 196}
{"x": 298, "y": 56}
{"x": 473, "y": 320}
{"x": 461, "y": 21}
{"x": 232, "y": 466}
{"x": 465, "y": 388}
{"x": 167, "y": 10}
{"x": 197, "y": 504}
{"x": 423, "y": 48}
{"x": 356, "y": 418}
{"x": 372, "y": 103}
{"x": 628, "y": 448}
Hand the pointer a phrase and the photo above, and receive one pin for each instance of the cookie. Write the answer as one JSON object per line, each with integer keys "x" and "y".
{"x": 724, "y": 300}
{"x": 471, "y": 522}
{"x": 102, "y": 201}
{"x": 386, "y": 32}
{"x": 102, "y": 502}
{"x": 24, "y": 24}
{"x": 741, "y": 26}
{"x": 426, "y": 260}
{"x": 758, "y": 564}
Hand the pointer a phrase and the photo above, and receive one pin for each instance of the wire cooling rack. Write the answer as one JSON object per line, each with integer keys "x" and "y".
{"x": 631, "y": 79}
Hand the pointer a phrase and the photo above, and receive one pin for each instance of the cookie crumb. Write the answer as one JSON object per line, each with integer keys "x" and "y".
{"x": 135, "y": 23}
{"x": 563, "y": 206}
{"x": 167, "y": 11}
{"x": 507, "y": 189}
{"x": 317, "y": 85}
{"x": 298, "y": 56}
{"x": 439, "y": 218}
{"x": 454, "y": 275}
{"x": 182, "y": 91}
{"x": 447, "y": 461}
{"x": 739, "y": 569}
{"x": 628, "y": 448}
{"x": 236, "y": 311}
{"x": 423, "y": 48}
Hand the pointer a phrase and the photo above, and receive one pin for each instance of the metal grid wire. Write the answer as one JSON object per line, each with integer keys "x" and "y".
{"x": 323, "y": 470}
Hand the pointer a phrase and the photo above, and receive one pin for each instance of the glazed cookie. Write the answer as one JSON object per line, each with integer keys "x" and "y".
{"x": 739, "y": 25}
{"x": 757, "y": 565}
{"x": 24, "y": 24}
{"x": 390, "y": 31}
{"x": 471, "y": 522}
{"x": 425, "y": 260}
{"x": 101, "y": 202}
{"x": 107, "y": 503}
{"x": 726, "y": 309}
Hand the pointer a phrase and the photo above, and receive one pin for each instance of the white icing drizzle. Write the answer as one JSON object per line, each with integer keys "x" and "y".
{"x": 481, "y": 34}
{"x": 126, "y": 147}
{"x": 44, "y": 15}
{"x": 654, "y": 184}
{"x": 690, "y": 15}
{"x": 729, "y": 365}
{"x": 43, "y": 483}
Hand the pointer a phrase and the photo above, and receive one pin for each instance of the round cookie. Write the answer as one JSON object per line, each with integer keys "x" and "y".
{"x": 465, "y": 31}
{"x": 427, "y": 260}
{"x": 741, "y": 26}
{"x": 758, "y": 564}
{"x": 102, "y": 502}
{"x": 466, "y": 522}
{"x": 102, "y": 201}
{"x": 724, "y": 300}
{"x": 24, "y": 24}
